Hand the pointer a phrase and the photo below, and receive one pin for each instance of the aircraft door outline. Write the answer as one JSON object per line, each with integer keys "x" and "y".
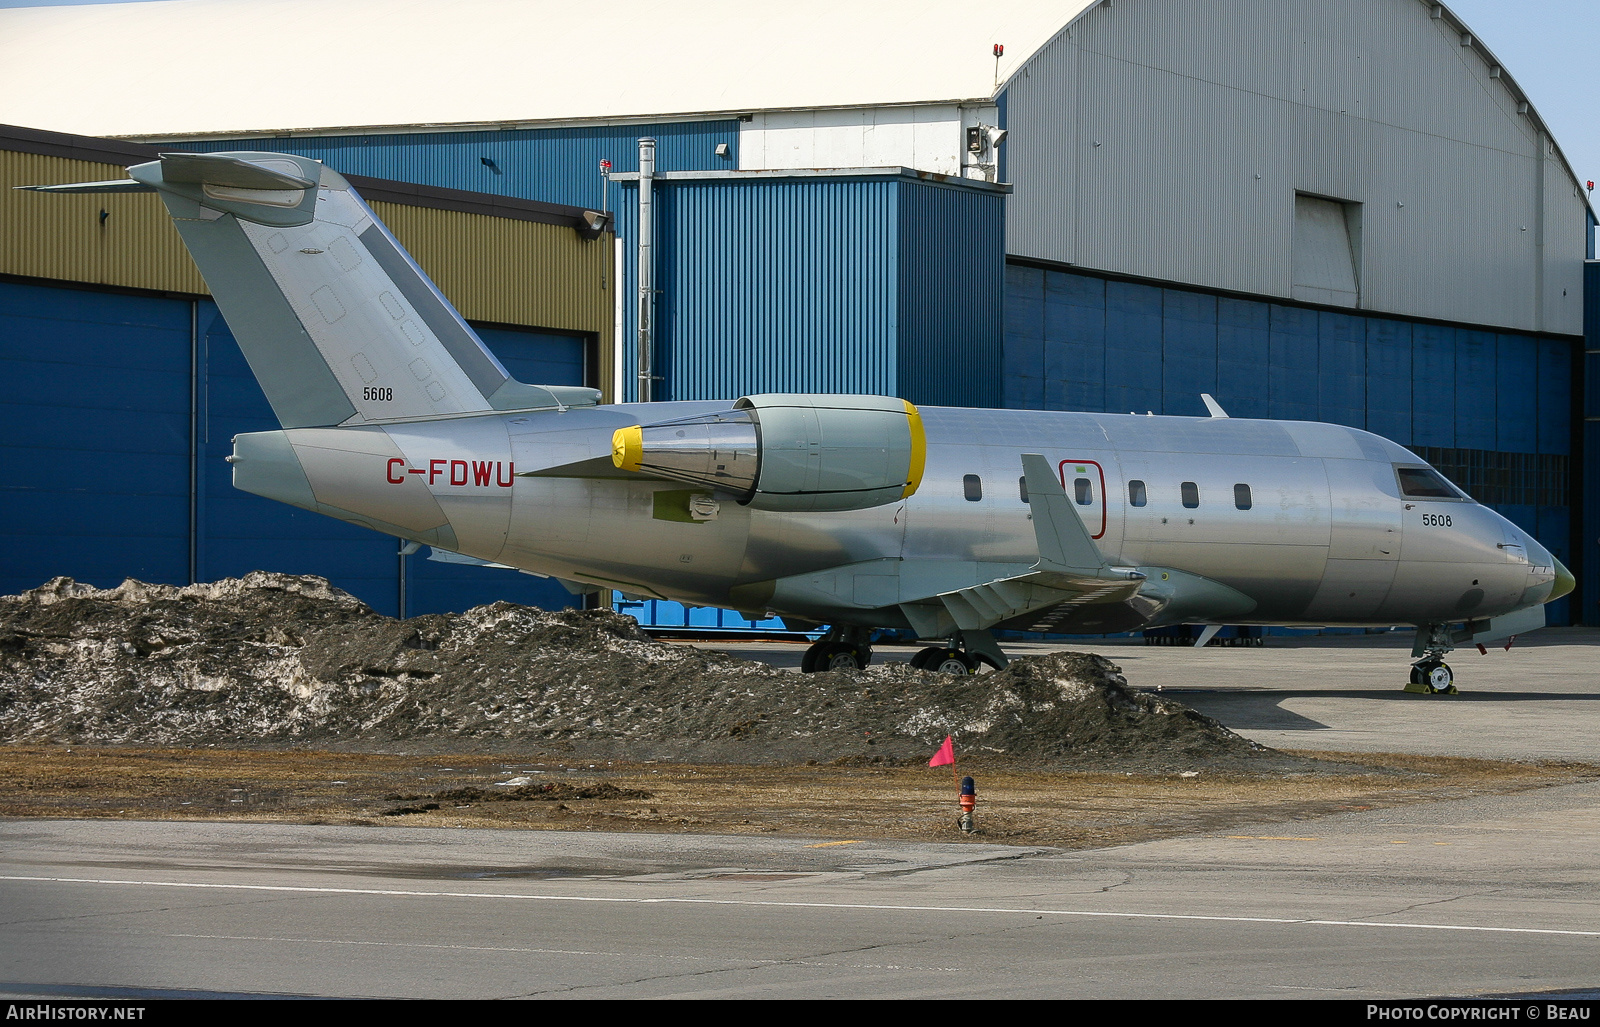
{"x": 1098, "y": 499}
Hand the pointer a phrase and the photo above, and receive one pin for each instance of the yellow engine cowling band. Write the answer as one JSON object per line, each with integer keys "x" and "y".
{"x": 919, "y": 450}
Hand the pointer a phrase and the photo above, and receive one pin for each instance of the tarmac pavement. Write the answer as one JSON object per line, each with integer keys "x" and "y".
{"x": 1498, "y": 895}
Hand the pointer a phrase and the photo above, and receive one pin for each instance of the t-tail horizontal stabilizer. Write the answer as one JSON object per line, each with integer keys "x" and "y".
{"x": 338, "y": 323}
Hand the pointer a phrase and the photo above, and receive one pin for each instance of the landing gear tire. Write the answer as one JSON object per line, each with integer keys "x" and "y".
{"x": 943, "y": 659}
{"x": 826, "y": 656}
{"x": 1432, "y": 677}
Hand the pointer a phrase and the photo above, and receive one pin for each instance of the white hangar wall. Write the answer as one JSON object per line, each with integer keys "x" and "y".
{"x": 925, "y": 137}
{"x": 1169, "y": 140}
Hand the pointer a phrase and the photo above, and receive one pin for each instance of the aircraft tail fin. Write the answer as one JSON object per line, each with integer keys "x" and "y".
{"x": 338, "y": 323}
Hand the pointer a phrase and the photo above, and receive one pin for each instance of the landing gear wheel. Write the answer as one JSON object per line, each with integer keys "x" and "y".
{"x": 1432, "y": 677}
{"x": 826, "y": 656}
{"x": 985, "y": 663}
{"x": 944, "y": 660}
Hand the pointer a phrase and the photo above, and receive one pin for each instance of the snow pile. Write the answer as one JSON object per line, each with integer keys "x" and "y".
{"x": 273, "y": 658}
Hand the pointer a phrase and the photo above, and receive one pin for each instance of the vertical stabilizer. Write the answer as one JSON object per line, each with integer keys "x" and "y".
{"x": 339, "y": 324}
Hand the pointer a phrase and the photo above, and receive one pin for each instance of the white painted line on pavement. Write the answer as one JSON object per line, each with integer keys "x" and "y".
{"x": 876, "y": 907}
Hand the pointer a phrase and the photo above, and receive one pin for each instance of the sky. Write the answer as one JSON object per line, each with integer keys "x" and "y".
{"x": 1549, "y": 46}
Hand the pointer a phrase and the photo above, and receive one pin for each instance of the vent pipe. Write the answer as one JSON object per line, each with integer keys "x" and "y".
{"x": 647, "y": 268}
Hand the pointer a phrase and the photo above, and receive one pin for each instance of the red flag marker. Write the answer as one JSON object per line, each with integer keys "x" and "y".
{"x": 946, "y": 755}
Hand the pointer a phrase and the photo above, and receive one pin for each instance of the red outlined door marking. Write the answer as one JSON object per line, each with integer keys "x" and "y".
{"x": 1079, "y": 469}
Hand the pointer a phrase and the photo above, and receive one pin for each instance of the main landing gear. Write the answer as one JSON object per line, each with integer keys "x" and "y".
{"x": 848, "y": 648}
{"x": 839, "y": 649}
{"x": 947, "y": 659}
{"x": 1431, "y": 675}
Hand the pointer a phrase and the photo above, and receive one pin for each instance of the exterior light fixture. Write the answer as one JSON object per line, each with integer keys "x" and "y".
{"x": 592, "y": 224}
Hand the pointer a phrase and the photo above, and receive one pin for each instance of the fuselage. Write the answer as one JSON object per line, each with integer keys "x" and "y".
{"x": 1310, "y": 521}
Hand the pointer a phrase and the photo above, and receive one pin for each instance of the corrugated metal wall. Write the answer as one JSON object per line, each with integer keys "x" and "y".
{"x": 114, "y": 405}
{"x": 94, "y": 429}
{"x": 493, "y": 269}
{"x": 778, "y": 286}
{"x": 1081, "y": 342}
{"x": 880, "y": 284}
{"x": 65, "y": 237}
{"x": 512, "y": 272}
{"x": 1167, "y": 141}
{"x": 1589, "y": 579}
{"x": 118, "y": 408}
{"x": 557, "y": 165}
{"x": 951, "y": 296}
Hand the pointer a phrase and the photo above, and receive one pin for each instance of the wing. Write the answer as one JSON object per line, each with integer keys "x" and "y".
{"x": 1070, "y": 576}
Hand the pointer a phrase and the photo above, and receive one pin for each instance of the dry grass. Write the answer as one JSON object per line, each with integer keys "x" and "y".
{"x": 1016, "y": 806}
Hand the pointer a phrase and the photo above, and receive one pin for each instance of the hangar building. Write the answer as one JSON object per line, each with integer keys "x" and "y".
{"x": 1340, "y": 210}
{"x": 123, "y": 385}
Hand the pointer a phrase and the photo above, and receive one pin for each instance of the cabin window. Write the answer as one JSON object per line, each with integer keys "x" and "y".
{"x": 972, "y": 488}
{"x": 1241, "y": 496}
{"x": 1136, "y": 496}
{"x": 1022, "y": 488}
{"x": 1191, "y": 495}
{"x": 1083, "y": 491}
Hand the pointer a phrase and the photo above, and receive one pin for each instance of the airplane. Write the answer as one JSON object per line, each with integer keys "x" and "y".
{"x": 858, "y": 513}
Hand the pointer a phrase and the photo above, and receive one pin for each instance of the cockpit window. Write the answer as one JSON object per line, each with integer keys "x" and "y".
{"x": 1425, "y": 483}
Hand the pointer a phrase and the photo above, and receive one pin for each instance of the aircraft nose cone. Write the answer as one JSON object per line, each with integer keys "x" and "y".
{"x": 1565, "y": 582}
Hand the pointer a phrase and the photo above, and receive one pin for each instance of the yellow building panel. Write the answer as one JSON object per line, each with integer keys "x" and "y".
{"x": 502, "y": 270}
{"x": 121, "y": 239}
{"x": 513, "y": 272}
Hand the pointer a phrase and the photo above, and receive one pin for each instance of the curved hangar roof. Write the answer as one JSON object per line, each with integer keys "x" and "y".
{"x": 184, "y": 67}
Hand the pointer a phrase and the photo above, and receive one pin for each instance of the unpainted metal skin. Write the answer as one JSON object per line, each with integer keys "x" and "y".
{"x": 858, "y": 512}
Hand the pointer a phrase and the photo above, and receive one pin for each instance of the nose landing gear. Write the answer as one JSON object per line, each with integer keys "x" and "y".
{"x": 1431, "y": 675}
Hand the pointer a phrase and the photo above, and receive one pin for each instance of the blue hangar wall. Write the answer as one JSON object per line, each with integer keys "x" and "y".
{"x": 1493, "y": 410}
{"x": 1589, "y": 502}
{"x": 118, "y": 411}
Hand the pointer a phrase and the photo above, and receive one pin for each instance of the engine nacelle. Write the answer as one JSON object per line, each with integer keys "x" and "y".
{"x": 788, "y": 452}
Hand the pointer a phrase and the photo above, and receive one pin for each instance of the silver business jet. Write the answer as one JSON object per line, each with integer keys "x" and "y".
{"x": 860, "y": 513}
